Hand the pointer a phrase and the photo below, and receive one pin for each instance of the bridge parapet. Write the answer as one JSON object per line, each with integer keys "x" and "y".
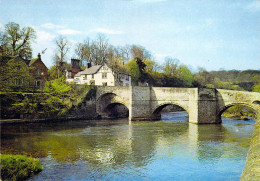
{"x": 227, "y": 98}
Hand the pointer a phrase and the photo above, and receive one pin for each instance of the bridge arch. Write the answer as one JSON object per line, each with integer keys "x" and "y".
{"x": 158, "y": 109}
{"x": 111, "y": 105}
{"x": 256, "y": 102}
{"x": 224, "y": 108}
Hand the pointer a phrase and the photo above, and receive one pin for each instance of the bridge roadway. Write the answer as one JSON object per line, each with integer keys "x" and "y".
{"x": 202, "y": 104}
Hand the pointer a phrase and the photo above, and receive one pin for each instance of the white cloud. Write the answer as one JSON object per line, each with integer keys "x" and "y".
{"x": 69, "y": 32}
{"x": 254, "y": 6}
{"x": 44, "y": 36}
{"x": 51, "y": 26}
{"x": 107, "y": 31}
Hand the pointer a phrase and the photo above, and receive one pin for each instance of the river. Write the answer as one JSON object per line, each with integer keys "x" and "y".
{"x": 170, "y": 149}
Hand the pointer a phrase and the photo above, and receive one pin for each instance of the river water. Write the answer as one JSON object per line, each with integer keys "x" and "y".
{"x": 171, "y": 149}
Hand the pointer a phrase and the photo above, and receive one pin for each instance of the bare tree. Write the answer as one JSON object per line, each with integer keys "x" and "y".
{"x": 84, "y": 51}
{"x": 140, "y": 52}
{"x": 96, "y": 52}
{"x": 62, "y": 49}
{"x": 171, "y": 66}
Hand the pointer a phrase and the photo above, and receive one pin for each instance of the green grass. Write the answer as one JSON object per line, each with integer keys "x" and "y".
{"x": 18, "y": 167}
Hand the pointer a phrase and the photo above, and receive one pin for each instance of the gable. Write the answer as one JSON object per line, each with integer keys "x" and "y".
{"x": 38, "y": 64}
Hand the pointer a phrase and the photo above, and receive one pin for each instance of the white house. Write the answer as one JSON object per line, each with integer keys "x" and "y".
{"x": 102, "y": 75}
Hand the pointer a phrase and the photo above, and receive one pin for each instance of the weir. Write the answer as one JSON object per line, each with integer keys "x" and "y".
{"x": 203, "y": 105}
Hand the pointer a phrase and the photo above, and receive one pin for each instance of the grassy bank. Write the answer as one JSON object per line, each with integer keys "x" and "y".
{"x": 18, "y": 167}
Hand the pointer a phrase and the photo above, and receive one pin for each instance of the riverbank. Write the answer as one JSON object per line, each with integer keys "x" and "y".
{"x": 251, "y": 171}
{"x": 14, "y": 121}
{"x": 19, "y": 167}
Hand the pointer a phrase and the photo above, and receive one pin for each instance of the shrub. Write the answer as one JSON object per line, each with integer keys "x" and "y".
{"x": 18, "y": 167}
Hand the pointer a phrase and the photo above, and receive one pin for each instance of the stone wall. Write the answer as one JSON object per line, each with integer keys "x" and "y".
{"x": 251, "y": 171}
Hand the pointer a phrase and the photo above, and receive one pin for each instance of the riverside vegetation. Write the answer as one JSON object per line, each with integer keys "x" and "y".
{"x": 19, "y": 167}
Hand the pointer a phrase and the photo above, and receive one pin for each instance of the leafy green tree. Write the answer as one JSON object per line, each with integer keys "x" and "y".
{"x": 134, "y": 70}
{"x": 14, "y": 75}
{"x": 17, "y": 41}
{"x": 186, "y": 75}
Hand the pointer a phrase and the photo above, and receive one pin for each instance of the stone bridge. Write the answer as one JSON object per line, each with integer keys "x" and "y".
{"x": 145, "y": 103}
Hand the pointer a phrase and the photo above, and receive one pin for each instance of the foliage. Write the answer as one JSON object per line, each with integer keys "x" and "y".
{"x": 55, "y": 100}
{"x": 16, "y": 41}
{"x": 58, "y": 87}
{"x": 185, "y": 75}
{"x": 256, "y": 88}
{"x": 14, "y": 75}
{"x": 18, "y": 167}
{"x": 239, "y": 111}
{"x": 133, "y": 69}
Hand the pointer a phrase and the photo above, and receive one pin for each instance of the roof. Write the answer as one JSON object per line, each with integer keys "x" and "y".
{"x": 31, "y": 61}
{"x": 89, "y": 71}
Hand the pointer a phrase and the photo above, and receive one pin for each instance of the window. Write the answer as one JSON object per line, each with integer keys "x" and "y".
{"x": 126, "y": 84}
{"x": 127, "y": 77}
{"x": 104, "y": 75}
{"x": 37, "y": 83}
{"x": 104, "y": 83}
{"x": 85, "y": 77}
{"x": 18, "y": 81}
{"x": 92, "y": 76}
{"x": 38, "y": 72}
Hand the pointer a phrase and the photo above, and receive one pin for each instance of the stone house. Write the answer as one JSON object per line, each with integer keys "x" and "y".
{"x": 102, "y": 75}
{"x": 38, "y": 71}
{"x": 26, "y": 73}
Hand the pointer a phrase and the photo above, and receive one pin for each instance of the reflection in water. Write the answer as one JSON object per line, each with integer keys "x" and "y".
{"x": 118, "y": 149}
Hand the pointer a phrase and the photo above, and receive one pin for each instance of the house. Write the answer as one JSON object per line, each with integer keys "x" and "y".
{"x": 20, "y": 72}
{"x": 38, "y": 71}
{"x": 102, "y": 75}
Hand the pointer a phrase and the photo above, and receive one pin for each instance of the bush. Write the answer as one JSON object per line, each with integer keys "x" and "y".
{"x": 18, "y": 167}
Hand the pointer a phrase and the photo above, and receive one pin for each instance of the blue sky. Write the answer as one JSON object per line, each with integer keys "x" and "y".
{"x": 214, "y": 34}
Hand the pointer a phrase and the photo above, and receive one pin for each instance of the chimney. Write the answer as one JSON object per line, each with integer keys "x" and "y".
{"x": 39, "y": 56}
{"x": 75, "y": 63}
{"x": 88, "y": 65}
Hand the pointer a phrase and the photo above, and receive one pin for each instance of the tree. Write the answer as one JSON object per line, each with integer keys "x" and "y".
{"x": 134, "y": 70}
{"x": 15, "y": 41}
{"x": 96, "y": 52}
{"x": 204, "y": 77}
{"x": 140, "y": 52}
{"x": 63, "y": 47}
{"x": 186, "y": 75}
{"x": 170, "y": 66}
